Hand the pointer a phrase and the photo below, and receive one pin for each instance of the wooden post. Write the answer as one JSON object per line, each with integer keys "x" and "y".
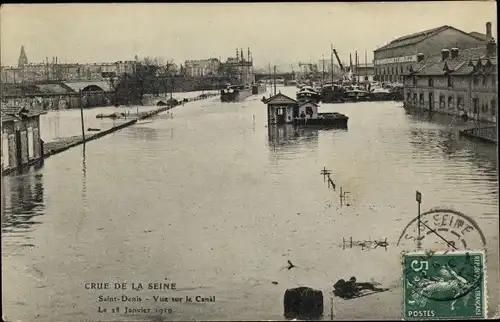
{"x": 331, "y": 309}
{"x": 343, "y": 243}
{"x": 351, "y": 242}
{"x": 419, "y": 200}
{"x": 81, "y": 116}
{"x": 341, "y": 196}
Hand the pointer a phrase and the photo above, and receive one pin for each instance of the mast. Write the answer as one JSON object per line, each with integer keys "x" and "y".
{"x": 331, "y": 59}
{"x": 356, "y": 68}
{"x": 323, "y": 60}
{"x": 366, "y": 67}
{"x": 274, "y": 79}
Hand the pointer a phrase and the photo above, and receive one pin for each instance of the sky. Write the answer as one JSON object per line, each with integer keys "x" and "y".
{"x": 277, "y": 33}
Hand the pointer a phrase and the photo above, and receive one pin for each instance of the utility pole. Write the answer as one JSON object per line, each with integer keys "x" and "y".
{"x": 81, "y": 116}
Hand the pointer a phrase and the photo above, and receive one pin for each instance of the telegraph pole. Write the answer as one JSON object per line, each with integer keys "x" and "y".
{"x": 81, "y": 116}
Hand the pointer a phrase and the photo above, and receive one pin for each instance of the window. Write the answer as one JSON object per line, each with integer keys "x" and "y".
{"x": 493, "y": 107}
{"x": 450, "y": 81}
{"x": 475, "y": 105}
{"x": 484, "y": 80}
{"x": 450, "y": 103}
{"x": 493, "y": 80}
{"x": 484, "y": 107}
{"x": 441, "y": 101}
{"x": 476, "y": 80}
{"x": 414, "y": 78}
{"x": 421, "y": 99}
{"x": 460, "y": 103}
{"x": 431, "y": 82}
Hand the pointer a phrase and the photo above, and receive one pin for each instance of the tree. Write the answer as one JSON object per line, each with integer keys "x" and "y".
{"x": 148, "y": 77}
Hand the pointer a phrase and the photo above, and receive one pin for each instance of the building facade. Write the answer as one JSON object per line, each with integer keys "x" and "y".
{"x": 393, "y": 60}
{"x": 364, "y": 73}
{"x": 27, "y": 72}
{"x": 21, "y": 141}
{"x": 202, "y": 67}
{"x": 456, "y": 82}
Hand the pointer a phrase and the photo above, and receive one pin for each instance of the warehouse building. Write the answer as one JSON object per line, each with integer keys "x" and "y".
{"x": 393, "y": 60}
{"x": 456, "y": 82}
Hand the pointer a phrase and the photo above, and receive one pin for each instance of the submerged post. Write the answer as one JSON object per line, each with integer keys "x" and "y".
{"x": 419, "y": 200}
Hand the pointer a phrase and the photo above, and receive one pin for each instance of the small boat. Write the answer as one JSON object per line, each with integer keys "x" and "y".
{"x": 143, "y": 121}
{"x": 357, "y": 95}
{"x": 235, "y": 93}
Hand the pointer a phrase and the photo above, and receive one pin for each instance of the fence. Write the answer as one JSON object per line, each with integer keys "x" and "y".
{"x": 488, "y": 133}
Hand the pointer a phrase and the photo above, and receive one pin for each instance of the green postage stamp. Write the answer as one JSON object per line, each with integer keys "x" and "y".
{"x": 441, "y": 285}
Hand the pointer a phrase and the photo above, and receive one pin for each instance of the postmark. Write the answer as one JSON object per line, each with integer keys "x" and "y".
{"x": 445, "y": 284}
{"x": 442, "y": 228}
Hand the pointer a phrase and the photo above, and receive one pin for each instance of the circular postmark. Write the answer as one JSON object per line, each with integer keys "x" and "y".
{"x": 443, "y": 228}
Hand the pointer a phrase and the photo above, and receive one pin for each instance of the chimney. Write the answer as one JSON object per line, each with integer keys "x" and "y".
{"x": 491, "y": 48}
{"x": 454, "y": 53}
{"x": 488, "y": 31}
{"x": 420, "y": 57}
{"x": 445, "y": 53}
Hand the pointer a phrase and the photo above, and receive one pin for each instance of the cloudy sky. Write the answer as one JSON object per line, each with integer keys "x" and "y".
{"x": 279, "y": 33}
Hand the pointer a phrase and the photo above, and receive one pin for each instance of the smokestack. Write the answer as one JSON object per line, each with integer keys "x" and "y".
{"x": 491, "y": 48}
{"x": 420, "y": 57}
{"x": 488, "y": 31}
{"x": 454, "y": 53}
{"x": 445, "y": 53}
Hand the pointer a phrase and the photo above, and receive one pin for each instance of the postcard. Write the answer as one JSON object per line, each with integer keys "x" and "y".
{"x": 249, "y": 161}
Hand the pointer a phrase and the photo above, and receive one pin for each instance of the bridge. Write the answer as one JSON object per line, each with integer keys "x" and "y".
{"x": 265, "y": 76}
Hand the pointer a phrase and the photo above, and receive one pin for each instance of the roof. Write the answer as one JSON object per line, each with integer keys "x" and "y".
{"x": 422, "y": 35}
{"x": 279, "y": 99}
{"x": 413, "y": 38}
{"x": 9, "y": 113}
{"x": 77, "y": 86}
{"x": 459, "y": 65}
{"x": 478, "y": 35}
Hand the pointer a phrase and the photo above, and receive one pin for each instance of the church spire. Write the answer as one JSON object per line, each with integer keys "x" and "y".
{"x": 23, "y": 59}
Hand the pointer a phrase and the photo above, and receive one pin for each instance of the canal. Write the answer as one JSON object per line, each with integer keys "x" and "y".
{"x": 216, "y": 202}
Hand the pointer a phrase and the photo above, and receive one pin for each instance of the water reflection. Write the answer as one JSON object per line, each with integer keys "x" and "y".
{"x": 447, "y": 141}
{"x": 23, "y": 201}
{"x": 143, "y": 132}
{"x": 290, "y": 135}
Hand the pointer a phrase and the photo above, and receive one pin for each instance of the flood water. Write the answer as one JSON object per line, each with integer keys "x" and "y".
{"x": 216, "y": 202}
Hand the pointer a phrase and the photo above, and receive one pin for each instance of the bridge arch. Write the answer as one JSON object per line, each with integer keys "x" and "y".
{"x": 92, "y": 88}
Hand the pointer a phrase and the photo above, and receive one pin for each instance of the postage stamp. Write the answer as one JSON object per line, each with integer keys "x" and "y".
{"x": 442, "y": 285}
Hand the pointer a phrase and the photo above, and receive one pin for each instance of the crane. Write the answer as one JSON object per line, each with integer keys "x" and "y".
{"x": 338, "y": 59}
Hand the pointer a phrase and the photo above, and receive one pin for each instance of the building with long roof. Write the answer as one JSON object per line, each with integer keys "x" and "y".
{"x": 457, "y": 82}
{"x": 393, "y": 60}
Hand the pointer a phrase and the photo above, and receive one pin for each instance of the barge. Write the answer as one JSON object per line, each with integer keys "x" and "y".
{"x": 235, "y": 93}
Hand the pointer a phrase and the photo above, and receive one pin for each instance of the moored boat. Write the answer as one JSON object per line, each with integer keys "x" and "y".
{"x": 235, "y": 93}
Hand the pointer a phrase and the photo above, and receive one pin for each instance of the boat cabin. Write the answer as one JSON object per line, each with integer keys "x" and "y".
{"x": 281, "y": 109}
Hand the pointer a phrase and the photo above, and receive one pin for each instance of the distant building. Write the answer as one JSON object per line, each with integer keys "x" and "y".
{"x": 21, "y": 142}
{"x": 202, "y": 67}
{"x": 54, "y": 71}
{"x": 364, "y": 73}
{"x": 393, "y": 60}
{"x": 325, "y": 65}
{"x": 456, "y": 82}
